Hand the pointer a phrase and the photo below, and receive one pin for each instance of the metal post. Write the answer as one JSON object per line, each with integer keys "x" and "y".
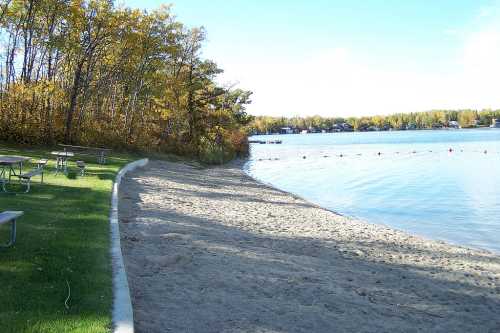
{"x": 12, "y": 234}
{"x": 2, "y": 178}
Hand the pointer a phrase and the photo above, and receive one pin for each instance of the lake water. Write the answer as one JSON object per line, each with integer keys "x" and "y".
{"x": 416, "y": 184}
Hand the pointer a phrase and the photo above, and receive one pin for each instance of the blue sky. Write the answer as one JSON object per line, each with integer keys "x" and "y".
{"x": 343, "y": 58}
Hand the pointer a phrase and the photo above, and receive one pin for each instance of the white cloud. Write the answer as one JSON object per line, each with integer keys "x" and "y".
{"x": 334, "y": 82}
{"x": 480, "y": 64}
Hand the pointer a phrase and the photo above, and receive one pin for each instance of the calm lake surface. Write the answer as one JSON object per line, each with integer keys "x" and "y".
{"x": 416, "y": 184}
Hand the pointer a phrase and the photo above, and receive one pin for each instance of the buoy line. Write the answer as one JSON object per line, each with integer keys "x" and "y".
{"x": 380, "y": 154}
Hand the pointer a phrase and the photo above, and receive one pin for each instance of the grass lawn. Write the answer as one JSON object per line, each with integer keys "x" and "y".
{"x": 62, "y": 239}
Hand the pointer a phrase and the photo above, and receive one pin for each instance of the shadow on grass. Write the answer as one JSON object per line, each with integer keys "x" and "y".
{"x": 104, "y": 175}
{"x": 62, "y": 239}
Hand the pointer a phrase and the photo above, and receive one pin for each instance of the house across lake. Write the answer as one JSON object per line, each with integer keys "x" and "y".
{"x": 495, "y": 123}
{"x": 286, "y": 130}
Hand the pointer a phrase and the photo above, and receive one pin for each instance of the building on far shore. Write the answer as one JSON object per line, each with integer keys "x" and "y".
{"x": 286, "y": 130}
{"x": 411, "y": 126}
{"x": 346, "y": 127}
{"x": 495, "y": 123}
{"x": 453, "y": 124}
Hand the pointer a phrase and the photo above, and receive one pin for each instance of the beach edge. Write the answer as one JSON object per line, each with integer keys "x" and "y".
{"x": 240, "y": 164}
{"x": 122, "y": 311}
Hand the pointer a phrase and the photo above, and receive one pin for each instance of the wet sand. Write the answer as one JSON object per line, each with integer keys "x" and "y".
{"x": 212, "y": 250}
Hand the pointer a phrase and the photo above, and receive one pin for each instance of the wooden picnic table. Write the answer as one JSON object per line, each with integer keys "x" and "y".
{"x": 62, "y": 160}
{"x": 9, "y": 164}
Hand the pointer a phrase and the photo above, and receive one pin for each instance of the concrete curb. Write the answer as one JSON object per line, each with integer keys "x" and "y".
{"x": 122, "y": 316}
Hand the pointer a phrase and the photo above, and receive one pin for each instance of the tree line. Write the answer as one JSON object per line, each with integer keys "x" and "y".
{"x": 92, "y": 73}
{"x": 399, "y": 121}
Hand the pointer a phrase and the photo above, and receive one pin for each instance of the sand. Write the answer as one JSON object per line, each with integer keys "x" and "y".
{"x": 212, "y": 250}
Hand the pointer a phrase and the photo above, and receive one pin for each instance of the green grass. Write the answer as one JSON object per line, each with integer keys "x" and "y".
{"x": 62, "y": 238}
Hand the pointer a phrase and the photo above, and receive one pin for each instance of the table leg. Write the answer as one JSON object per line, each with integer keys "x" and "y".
{"x": 13, "y": 172}
{"x": 2, "y": 178}
{"x": 12, "y": 235}
{"x": 58, "y": 161}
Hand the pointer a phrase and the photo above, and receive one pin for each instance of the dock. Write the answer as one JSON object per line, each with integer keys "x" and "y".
{"x": 276, "y": 142}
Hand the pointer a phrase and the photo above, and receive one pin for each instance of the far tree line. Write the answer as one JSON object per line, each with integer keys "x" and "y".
{"x": 400, "y": 121}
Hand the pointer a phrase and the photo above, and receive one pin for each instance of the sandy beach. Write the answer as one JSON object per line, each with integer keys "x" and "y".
{"x": 212, "y": 250}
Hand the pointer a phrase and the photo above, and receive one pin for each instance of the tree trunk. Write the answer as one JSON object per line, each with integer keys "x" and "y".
{"x": 75, "y": 91}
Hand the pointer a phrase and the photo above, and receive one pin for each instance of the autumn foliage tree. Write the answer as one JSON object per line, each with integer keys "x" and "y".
{"x": 89, "y": 72}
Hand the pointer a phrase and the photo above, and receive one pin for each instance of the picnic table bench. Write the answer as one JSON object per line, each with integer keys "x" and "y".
{"x": 10, "y": 216}
{"x": 91, "y": 151}
{"x": 25, "y": 178}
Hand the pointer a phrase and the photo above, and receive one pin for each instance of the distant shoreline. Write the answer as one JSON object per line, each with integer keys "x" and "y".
{"x": 434, "y": 119}
{"x": 393, "y": 130}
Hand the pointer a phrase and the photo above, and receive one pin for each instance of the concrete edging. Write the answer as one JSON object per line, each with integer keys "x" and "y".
{"x": 122, "y": 314}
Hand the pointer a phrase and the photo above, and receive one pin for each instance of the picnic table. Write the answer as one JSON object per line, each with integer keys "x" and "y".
{"x": 9, "y": 164}
{"x": 82, "y": 150}
{"x": 62, "y": 160}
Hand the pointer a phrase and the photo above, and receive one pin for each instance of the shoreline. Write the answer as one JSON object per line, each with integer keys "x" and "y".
{"x": 210, "y": 248}
{"x": 271, "y": 186}
{"x": 242, "y": 162}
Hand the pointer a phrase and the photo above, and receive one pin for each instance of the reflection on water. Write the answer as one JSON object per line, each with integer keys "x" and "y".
{"x": 409, "y": 180}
